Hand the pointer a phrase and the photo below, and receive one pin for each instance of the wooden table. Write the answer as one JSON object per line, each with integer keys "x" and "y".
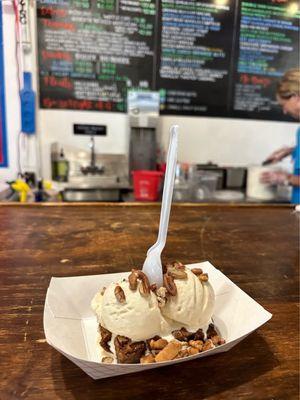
{"x": 256, "y": 247}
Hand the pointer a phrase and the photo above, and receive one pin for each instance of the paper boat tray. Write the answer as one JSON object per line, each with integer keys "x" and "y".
{"x": 71, "y": 327}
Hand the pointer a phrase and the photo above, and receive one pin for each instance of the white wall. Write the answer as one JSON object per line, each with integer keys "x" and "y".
{"x": 233, "y": 142}
{"x": 57, "y": 126}
{"x": 225, "y": 141}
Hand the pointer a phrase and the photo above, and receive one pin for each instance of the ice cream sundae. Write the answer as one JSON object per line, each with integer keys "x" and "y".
{"x": 141, "y": 323}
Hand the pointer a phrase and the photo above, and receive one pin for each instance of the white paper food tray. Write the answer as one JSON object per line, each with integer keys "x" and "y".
{"x": 71, "y": 327}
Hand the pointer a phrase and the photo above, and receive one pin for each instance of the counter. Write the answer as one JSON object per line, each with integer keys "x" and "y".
{"x": 254, "y": 245}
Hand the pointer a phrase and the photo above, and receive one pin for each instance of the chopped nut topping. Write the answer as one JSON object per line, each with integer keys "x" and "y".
{"x": 178, "y": 265}
{"x": 158, "y": 344}
{"x": 144, "y": 287}
{"x": 161, "y": 294}
{"x": 203, "y": 277}
{"x": 169, "y": 352}
{"x": 197, "y": 344}
{"x": 143, "y": 290}
{"x": 176, "y": 273}
{"x": 170, "y": 284}
{"x": 145, "y": 284}
{"x": 197, "y": 271}
{"x": 107, "y": 360}
{"x": 153, "y": 287}
{"x": 147, "y": 359}
{"x": 217, "y": 340}
{"x": 193, "y": 350}
{"x": 208, "y": 345}
{"x": 120, "y": 295}
{"x": 132, "y": 279}
{"x": 149, "y": 340}
{"x": 183, "y": 353}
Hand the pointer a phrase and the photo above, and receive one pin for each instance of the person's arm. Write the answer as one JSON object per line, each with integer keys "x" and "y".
{"x": 280, "y": 177}
{"x": 293, "y": 180}
{"x": 278, "y": 155}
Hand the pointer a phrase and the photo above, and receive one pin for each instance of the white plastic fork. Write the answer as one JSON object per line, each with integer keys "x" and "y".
{"x": 152, "y": 265}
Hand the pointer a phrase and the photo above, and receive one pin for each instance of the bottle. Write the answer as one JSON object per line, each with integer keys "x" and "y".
{"x": 60, "y": 168}
{"x": 40, "y": 194}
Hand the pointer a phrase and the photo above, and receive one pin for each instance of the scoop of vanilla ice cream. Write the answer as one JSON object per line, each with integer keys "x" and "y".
{"x": 96, "y": 303}
{"x": 138, "y": 318}
{"x": 194, "y": 303}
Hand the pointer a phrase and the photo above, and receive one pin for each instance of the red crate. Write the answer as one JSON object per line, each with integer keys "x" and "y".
{"x": 146, "y": 185}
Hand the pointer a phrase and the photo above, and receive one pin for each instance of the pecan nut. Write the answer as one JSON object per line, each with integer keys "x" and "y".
{"x": 144, "y": 287}
{"x": 169, "y": 352}
{"x": 193, "y": 350}
{"x": 178, "y": 265}
{"x": 147, "y": 359}
{"x": 183, "y": 353}
{"x": 133, "y": 280}
{"x": 197, "y": 344}
{"x": 153, "y": 287}
{"x": 208, "y": 345}
{"x": 161, "y": 294}
{"x": 203, "y": 277}
{"x": 120, "y": 295}
{"x": 177, "y": 273}
{"x": 107, "y": 360}
{"x": 158, "y": 344}
{"x": 217, "y": 340}
{"x": 197, "y": 271}
{"x": 170, "y": 284}
{"x": 145, "y": 284}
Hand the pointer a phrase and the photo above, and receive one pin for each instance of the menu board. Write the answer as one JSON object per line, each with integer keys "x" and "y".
{"x": 267, "y": 47}
{"x": 92, "y": 51}
{"x": 195, "y": 56}
{"x": 215, "y": 58}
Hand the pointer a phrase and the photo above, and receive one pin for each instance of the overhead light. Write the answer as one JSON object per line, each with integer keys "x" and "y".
{"x": 221, "y": 2}
{"x": 293, "y": 8}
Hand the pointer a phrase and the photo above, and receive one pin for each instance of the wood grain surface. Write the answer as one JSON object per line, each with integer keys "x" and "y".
{"x": 256, "y": 247}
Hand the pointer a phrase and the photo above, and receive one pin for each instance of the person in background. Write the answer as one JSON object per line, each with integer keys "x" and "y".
{"x": 288, "y": 96}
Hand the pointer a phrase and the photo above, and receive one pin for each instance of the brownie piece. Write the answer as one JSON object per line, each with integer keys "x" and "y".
{"x": 211, "y": 331}
{"x": 105, "y": 338}
{"x": 182, "y": 335}
{"x": 127, "y": 351}
{"x": 199, "y": 335}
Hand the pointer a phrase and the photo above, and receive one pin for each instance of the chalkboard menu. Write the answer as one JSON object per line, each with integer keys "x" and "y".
{"x": 214, "y": 58}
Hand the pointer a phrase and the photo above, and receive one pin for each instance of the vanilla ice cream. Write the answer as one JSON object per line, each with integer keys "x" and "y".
{"x": 194, "y": 303}
{"x": 138, "y": 317}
